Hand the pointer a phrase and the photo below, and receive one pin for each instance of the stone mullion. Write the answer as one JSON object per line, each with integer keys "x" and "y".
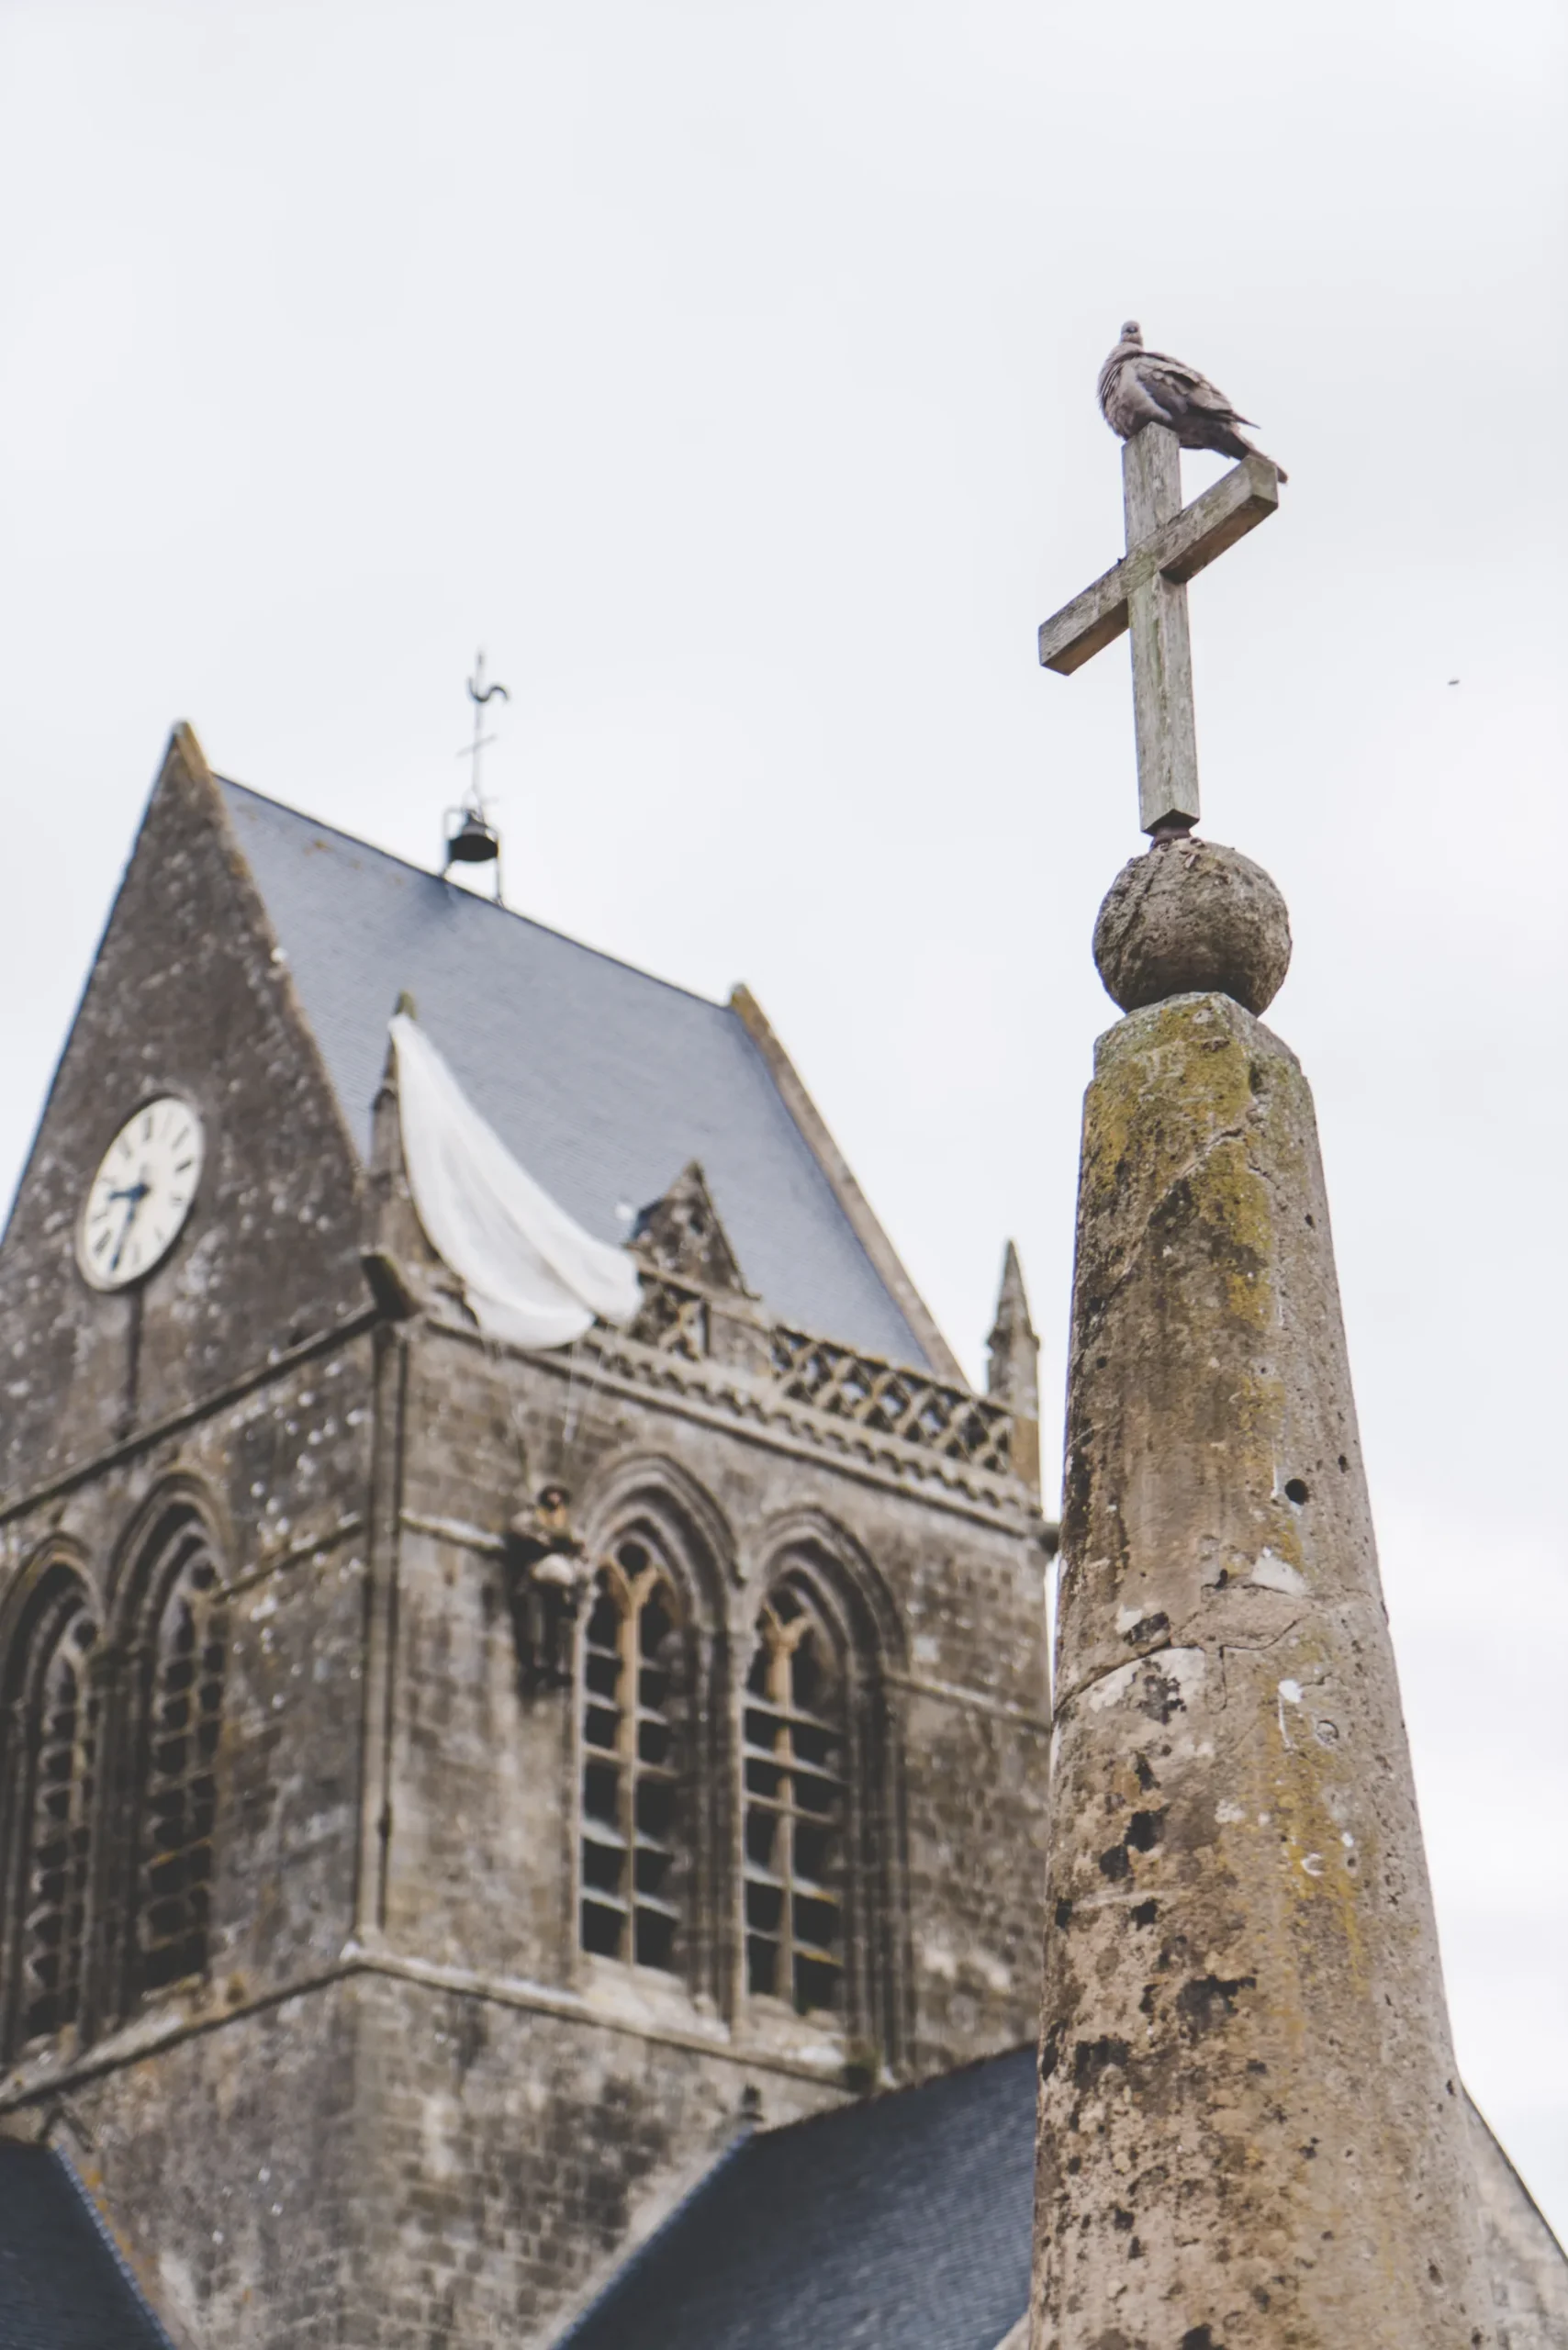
{"x": 732, "y": 1663}
{"x": 779, "y": 1677}
{"x": 120, "y": 1674}
{"x": 87, "y": 1766}
{"x": 858, "y": 1842}
{"x": 62, "y": 1688}
{"x": 16, "y": 1809}
{"x": 631, "y": 1719}
{"x": 573, "y": 1755}
{"x": 705, "y": 1778}
{"x": 884, "y": 1937}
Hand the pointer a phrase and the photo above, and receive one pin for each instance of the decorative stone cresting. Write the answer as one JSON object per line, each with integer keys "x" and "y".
{"x": 1191, "y": 918}
{"x": 905, "y": 1421}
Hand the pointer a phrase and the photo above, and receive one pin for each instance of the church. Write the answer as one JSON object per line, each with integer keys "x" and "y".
{"x": 524, "y": 1806}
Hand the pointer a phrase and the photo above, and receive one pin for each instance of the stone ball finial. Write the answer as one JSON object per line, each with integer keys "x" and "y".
{"x": 1187, "y": 918}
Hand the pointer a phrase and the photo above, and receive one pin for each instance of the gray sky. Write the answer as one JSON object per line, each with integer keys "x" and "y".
{"x": 728, "y": 371}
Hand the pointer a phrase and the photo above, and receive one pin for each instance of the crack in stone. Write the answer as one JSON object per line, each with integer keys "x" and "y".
{"x": 1225, "y": 1747}
{"x": 1185, "y": 1635}
{"x": 1139, "y": 1656}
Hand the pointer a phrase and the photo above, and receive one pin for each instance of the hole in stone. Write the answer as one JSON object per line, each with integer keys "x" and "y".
{"x": 1310, "y": 1221}
{"x": 1295, "y": 1490}
{"x": 1344, "y": 1463}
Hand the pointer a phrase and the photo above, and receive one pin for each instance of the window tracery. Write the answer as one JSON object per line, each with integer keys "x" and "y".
{"x": 795, "y": 1803}
{"x": 53, "y": 1752}
{"x": 633, "y": 1826}
{"x": 178, "y": 1784}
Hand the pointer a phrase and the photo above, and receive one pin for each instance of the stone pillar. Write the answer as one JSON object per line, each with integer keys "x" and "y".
{"x": 1251, "y": 2133}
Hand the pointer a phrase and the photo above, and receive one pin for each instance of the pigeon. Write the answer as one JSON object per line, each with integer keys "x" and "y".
{"x": 1139, "y": 388}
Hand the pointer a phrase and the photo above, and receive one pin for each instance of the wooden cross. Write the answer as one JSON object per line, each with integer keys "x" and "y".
{"x": 1168, "y": 543}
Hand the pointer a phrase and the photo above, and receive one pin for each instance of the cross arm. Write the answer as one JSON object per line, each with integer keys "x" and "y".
{"x": 1179, "y": 549}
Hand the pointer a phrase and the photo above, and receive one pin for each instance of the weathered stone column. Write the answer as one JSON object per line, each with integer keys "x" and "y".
{"x": 1251, "y": 2129}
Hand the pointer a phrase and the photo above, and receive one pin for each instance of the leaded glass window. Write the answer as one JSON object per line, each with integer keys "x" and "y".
{"x": 634, "y": 1824}
{"x": 179, "y": 1777}
{"x": 795, "y": 1804}
{"x": 56, "y": 1742}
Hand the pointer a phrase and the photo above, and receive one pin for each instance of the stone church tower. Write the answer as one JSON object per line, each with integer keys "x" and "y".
{"x": 449, "y": 1790}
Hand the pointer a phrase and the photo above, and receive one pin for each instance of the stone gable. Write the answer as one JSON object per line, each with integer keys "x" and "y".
{"x": 189, "y": 996}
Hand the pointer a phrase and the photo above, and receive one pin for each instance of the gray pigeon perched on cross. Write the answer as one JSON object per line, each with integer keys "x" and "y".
{"x": 1139, "y": 388}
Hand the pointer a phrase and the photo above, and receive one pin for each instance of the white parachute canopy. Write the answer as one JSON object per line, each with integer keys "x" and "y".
{"x": 530, "y": 1273}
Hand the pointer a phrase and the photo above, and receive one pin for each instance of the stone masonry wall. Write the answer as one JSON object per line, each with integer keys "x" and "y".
{"x": 228, "y": 2167}
{"x": 513, "y": 2154}
{"x": 180, "y": 2101}
{"x": 188, "y": 996}
{"x": 281, "y": 1474}
{"x": 483, "y": 1769}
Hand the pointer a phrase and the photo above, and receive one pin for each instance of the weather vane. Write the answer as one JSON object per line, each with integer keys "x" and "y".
{"x": 473, "y": 840}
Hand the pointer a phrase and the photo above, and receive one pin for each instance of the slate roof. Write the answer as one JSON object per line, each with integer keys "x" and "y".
{"x": 62, "y": 2284}
{"x": 903, "y": 2224}
{"x": 601, "y": 1080}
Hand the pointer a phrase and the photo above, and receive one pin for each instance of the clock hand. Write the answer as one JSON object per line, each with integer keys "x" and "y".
{"x": 132, "y": 1194}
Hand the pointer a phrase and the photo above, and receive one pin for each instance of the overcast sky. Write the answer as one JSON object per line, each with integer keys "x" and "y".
{"x": 728, "y": 372}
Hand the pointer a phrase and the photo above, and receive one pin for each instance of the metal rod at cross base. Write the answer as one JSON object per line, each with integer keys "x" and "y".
{"x": 1146, "y": 594}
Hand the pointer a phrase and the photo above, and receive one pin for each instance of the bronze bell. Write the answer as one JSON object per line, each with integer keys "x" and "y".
{"x": 473, "y": 843}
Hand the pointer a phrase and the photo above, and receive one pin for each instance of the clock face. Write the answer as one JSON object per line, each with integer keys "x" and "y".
{"x": 141, "y": 1194}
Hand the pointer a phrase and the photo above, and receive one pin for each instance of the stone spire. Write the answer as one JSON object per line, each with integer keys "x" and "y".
{"x": 1013, "y": 1351}
{"x": 1252, "y": 2131}
{"x": 1012, "y": 1366}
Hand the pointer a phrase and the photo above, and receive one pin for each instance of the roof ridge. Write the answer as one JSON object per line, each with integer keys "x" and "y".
{"x": 97, "y": 2221}
{"x": 901, "y": 2089}
{"x": 638, "y": 2253}
{"x": 390, "y": 856}
{"x": 732, "y": 2244}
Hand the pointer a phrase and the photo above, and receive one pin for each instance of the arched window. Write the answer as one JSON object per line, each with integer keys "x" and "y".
{"x": 52, "y": 1761}
{"x": 177, "y": 1786}
{"x": 634, "y": 1828}
{"x": 796, "y": 1802}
